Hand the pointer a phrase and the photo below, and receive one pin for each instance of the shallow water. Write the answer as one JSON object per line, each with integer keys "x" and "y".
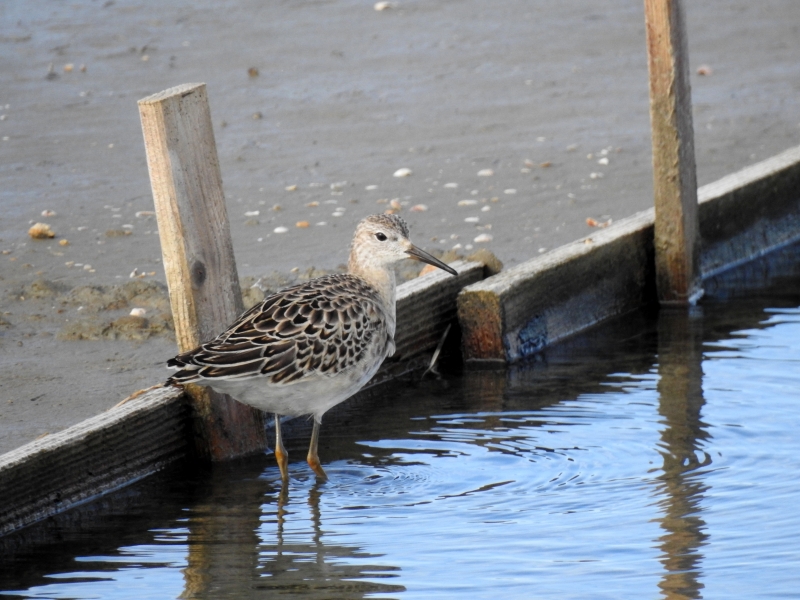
{"x": 656, "y": 456}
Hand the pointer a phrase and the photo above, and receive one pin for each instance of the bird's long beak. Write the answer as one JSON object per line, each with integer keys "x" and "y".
{"x": 415, "y": 252}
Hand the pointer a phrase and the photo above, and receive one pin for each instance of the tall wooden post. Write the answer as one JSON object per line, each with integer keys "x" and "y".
{"x": 197, "y": 252}
{"x": 674, "y": 175}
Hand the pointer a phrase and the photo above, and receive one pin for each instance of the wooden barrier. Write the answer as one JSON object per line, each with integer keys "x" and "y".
{"x": 91, "y": 458}
{"x": 538, "y": 303}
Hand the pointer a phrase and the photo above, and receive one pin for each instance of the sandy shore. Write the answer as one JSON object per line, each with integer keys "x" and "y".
{"x": 316, "y": 105}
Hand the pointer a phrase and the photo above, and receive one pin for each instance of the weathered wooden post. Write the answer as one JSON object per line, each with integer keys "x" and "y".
{"x": 197, "y": 252}
{"x": 674, "y": 175}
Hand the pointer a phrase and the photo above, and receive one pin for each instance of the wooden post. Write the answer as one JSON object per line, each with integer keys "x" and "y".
{"x": 674, "y": 175}
{"x": 198, "y": 254}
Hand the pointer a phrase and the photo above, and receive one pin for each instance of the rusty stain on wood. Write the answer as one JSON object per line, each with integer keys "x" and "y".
{"x": 480, "y": 316}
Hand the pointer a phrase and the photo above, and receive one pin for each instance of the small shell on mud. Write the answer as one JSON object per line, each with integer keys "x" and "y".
{"x": 404, "y": 172}
{"x": 145, "y": 213}
{"x": 63, "y": 242}
{"x": 48, "y": 213}
{"x": 302, "y": 224}
{"x": 369, "y": 188}
{"x": 138, "y": 312}
{"x": 251, "y": 213}
{"x": 704, "y": 70}
{"x": 510, "y": 191}
{"x": 485, "y": 173}
{"x": 395, "y": 204}
{"x": 483, "y": 238}
{"x": 291, "y": 188}
{"x": 452, "y": 185}
{"x": 379, "y": 6}
{"x": 281, "y": 229}
{"x": 41, "y": 231}
{"x": 418, "y": 208}
{"x": 472, "y": 220}
{"x": 595, "y": 223}
{"x": 467, "y": 202}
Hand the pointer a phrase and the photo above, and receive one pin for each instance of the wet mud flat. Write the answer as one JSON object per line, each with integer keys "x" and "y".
{"x": 313, "y": 122}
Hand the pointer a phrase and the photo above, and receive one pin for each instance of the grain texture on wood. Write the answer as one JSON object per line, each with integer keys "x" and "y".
{"x": 542, "y": 301}
{"x": 93, "y": 457}
{"x": 197, "y": 253}
{"x": 674, "y": 175}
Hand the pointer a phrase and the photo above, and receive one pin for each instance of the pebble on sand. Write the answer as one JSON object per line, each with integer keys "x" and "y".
{"x": 404, "y": 172}
{"x": 41, "y": 231}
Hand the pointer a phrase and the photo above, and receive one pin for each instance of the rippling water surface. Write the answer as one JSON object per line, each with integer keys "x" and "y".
{"x": 656, "y": 457}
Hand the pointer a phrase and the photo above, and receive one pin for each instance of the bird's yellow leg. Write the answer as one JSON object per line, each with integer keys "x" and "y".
{"x": 280, "y": 452}
{"x": 313, "y": 457}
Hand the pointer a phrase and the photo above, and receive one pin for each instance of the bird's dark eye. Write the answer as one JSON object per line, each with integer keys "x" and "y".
{"x": 381, "y": 236}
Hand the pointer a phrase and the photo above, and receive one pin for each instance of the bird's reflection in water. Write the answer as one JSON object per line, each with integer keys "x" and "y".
{"x": 252, "y": 537}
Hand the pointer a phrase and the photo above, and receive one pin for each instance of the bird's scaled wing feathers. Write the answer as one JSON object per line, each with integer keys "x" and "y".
{"x": 323, "y": 326}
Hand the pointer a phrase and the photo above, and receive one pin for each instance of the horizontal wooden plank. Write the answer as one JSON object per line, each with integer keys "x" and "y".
{"x": 92, "y": 458}
{"x": 749, "y": 213}
{"x": 540, "y": 302}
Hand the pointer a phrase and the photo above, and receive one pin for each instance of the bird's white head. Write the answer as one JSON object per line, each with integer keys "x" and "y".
{"x": 381, "y": 241}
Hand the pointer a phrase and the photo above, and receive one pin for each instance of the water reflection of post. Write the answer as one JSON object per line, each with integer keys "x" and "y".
{"x": 223, "y": 538}
{"x": 681, "y": 489}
